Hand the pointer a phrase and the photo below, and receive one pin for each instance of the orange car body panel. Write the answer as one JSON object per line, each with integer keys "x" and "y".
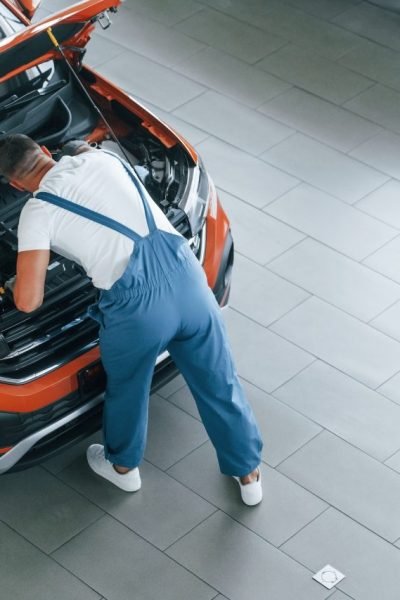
{"x": 46, "y": 389}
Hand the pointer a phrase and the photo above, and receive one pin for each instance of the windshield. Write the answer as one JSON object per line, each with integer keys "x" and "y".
{"x": 31, "y": 79}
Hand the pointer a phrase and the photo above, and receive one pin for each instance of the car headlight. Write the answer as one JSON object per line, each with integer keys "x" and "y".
{"x": 198, "y": 198}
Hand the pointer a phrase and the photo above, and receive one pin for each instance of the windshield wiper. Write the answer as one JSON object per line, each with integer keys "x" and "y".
{"x": 32, "y": 95}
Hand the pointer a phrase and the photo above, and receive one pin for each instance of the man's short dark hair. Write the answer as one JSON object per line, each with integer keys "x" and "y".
{"x": 17, "y": 154}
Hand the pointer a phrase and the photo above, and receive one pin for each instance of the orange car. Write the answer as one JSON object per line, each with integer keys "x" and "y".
{"x": 51, "y": 378}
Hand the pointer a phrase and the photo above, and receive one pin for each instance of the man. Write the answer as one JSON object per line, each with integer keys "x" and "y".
{"x": 154, "y": 296}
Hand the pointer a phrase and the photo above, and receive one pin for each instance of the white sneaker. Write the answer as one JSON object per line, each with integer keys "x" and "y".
{"x": 251, "y": 492}
{"x": 129, "y": 482}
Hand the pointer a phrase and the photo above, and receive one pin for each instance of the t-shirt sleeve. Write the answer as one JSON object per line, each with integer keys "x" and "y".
{"x": 34, "y": 227}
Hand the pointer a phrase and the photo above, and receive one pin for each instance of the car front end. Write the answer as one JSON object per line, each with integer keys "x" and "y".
{"x": 51, "y": 378}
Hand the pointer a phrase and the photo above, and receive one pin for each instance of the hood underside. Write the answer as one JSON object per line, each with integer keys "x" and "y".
{"x": 33, "y": 45}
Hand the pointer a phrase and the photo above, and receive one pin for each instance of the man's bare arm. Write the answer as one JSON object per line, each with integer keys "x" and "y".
{"x": 31, "y": 274}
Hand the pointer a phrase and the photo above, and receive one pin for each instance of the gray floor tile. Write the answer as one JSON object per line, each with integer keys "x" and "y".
{"x": 315, "y": 74}
{"x": 262, "y": 295}
{"x": 301, "y": 28}
{"x": 386, "y": 260}
{"x": 339, "y": 596}
{"x": 331, "y": 221}
{"x": 320, "y": 119}
{"x": 168, "y": 12}
{"x": 234, "y": 560}
{"x": 221, "y": 72}
{"x": 152, "y": 82}
{"x": 326, "y": 9}
{"x": 283, "y": 429}
{"x": 337, "y": 279}
{"x": 383, "y": 203}
{"x": 256, "y": 6}
{"x": 56, "y": 5}
{"x": 380, "y": 152}
{"x": 388, "y": 321}
{"x": 257, "y": 235}
{"x": 162, "y": 511}
{"x": 100, "y": 50}
{"x": 376, "y": 62}
{"x": 171, "y": 387}
{"x": 319, "y": 165}
{"x": 373, "y": 23}
{"x": 379, "y": 104}
{"x": 230, "y": 35}
{"x": 391, "y": 388}
{"x": 125, "y": 564}
{"x": 234, "y": 123}
{"x": 394, "y": 462}
{"x": 60, "y": 461}
{"x": 285, "y": 509}
{"x": 345, "y": 407}
{"x": 342, "y": 341}
{"x": 269, "y": 360}
{"x": 370, "y": 564}
{"x": 358, "y": 485}
{"x": 43, "y": 509}
{"x": 138, "y": 33}
{"x": 184, "y": 400}
{"x": 28, "y": 573}
{"x": 41, "y": 13}
{"x": 172, "y": 433}
{"x": 189, "y": 132}
{"x": 242, "y": 175}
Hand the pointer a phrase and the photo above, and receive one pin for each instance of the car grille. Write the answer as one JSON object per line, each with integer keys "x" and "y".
{"x": 31, "y": 342}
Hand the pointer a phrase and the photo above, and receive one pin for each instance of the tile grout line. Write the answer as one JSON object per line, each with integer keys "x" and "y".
{"x": 382, "y": 312}
{"x": 289, "y": 456}
{"x": 378, "y": 250}
{"x": 191, "y": 451}
{"x": 324, "y": 428}
{"x": 332, "y": 148}
{"x": 324, "y": 359}
{"x": 50, "y": 557}
{"x": 192, "y": 528}
{"x": 147, "y": 542}
{"x": 319, "y": 297}
{"x": 324, "y": 510}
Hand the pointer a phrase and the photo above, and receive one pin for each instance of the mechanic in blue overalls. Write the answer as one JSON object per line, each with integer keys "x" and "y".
{"x": 154, "y": 297}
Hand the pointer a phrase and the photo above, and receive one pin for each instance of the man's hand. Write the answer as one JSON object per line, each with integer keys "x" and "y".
{"x": 31, "y": 275}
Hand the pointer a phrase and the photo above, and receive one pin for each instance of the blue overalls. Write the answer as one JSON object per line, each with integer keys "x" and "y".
{"x": 163, "y": 302}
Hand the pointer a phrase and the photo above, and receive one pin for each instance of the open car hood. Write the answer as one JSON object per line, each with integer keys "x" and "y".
{"x": 32, "y": 45}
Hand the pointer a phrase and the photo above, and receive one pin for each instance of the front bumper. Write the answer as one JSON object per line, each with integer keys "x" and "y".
{"x": 29, "y": 438}
{"x": 64, "y": 431}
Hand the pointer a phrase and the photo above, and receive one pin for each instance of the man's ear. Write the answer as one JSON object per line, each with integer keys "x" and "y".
{"x": 17, "y": 186}
{"x": 46, "y": 151}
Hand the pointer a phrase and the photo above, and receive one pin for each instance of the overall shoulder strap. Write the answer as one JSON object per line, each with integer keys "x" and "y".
{"x": 139, "y": 186}
{"x": 88, "y": 214}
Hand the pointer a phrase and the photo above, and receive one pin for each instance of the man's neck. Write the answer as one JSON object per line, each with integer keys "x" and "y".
{"x": 42, "y": 170}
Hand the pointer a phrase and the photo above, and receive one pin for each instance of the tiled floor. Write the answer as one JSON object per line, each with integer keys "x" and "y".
{"x": 295, "y": 107}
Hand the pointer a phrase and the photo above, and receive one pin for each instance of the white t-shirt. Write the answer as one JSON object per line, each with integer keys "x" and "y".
{"x": 97, "y": 181}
